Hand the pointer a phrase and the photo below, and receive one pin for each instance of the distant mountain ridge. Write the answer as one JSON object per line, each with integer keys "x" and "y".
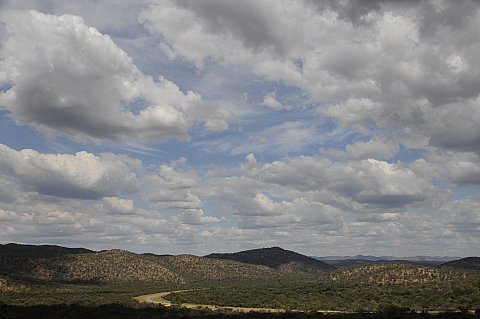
{"x": 346, "y": 261}
{"x": 387, "y": 258}
{"x": 277, "y": 258}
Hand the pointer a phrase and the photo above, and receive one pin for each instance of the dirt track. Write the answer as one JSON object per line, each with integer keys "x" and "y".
{"x": 158, "y": 298}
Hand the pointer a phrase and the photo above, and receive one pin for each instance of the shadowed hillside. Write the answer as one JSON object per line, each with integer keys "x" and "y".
{"x": 464, "y": 263}
{"x": 276, "y": 257}
{"x": 41, "y": 251}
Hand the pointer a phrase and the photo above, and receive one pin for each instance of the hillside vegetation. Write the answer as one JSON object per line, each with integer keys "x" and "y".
{"x": 370, "y": 287}
{"x": 261, "y": 278}
{"x": 392, "y": 273}
{"x": 464, "y": 263}
{"x": 115, "y": 266}
{"x": 200, "y": 269}
{"x": 7, "y": 285}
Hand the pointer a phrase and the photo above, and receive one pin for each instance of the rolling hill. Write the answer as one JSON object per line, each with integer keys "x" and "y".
{"x": 275, "y": 257}
{"x": 34, "y": 264}
{"x": 23, "y": 265}
{"x": 267, "y": 277}
{"x": 472, "y": 263}
{"x": 393, "y": 273}
{"x": 347, "y": 261}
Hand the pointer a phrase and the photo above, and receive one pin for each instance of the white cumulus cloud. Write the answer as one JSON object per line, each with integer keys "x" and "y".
{"x": 83, "y": 175}
{"x": 66, "y": 77}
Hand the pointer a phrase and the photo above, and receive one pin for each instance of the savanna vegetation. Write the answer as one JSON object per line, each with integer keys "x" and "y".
{"x": 51, "y": 282}
{"x": 365, "y": 288}
{"x": 119, "y": 311}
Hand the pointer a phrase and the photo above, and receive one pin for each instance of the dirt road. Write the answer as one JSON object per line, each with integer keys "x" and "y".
{"x": 158, "y": 298}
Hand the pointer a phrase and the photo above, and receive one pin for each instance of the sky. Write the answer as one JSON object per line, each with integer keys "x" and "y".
{"x": 183, "y": 126}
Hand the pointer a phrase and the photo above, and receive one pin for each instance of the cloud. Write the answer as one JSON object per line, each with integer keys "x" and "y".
{"x": 368, "y": 65}
{"x": 456, "y": 126}
{"x": 289, "y": 137}
{"x": 298, "y": 212}
{"x": 9, "y": 191}
{"x": 216, "y": 125}
{"x": 315, "y": 193}
{"x": 78, "y": 199}
{"x": 68, "y": 78}
{"x": 360, "y": 185}
{"x": 109, "y": 16}
{"x": 377, "y": 148}
{"x": 196, "y": 217}
{"x": 369, "y": 85}
{"x": 233, "y": 33}
{"x": 175, "y": 191}
{"x": 457, "y": 169}
{"x": 270, "y": 100}
{"x": 376, "y": 218}
{"x": 117, "y": 205}
{"x": 169, "y": 185}
{"x": 49, "y": 197}
{"x": 463, "y": 214}
{"x": 83, "y": 175}
{"x": 291, "y": 202}
{"x": 354, "y": 111}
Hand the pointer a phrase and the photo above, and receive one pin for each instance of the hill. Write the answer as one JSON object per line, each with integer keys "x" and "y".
{"x": 201, "y": 269}
{"x": 40, "y": 251}
{"x": 393, "y": 273}
{"x": 275, "y": 257}
{"x": 124, "y": 266}
{"x": 347, "y": 261}
{"x": 268, "y": 277}
{"x": 341, "y": 263}
{"x": 464, "y": 263}
{"x": 37, "y": 264}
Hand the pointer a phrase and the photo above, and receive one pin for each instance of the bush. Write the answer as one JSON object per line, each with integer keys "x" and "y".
{"x": 394, "y": 309}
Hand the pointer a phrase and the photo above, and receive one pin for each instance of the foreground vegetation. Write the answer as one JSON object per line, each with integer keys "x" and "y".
{"x": 80, "y": 294}
{"x": 117, "y": 311}
{"x": 366, "y": 288}
{"x": 57, "y": 300}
